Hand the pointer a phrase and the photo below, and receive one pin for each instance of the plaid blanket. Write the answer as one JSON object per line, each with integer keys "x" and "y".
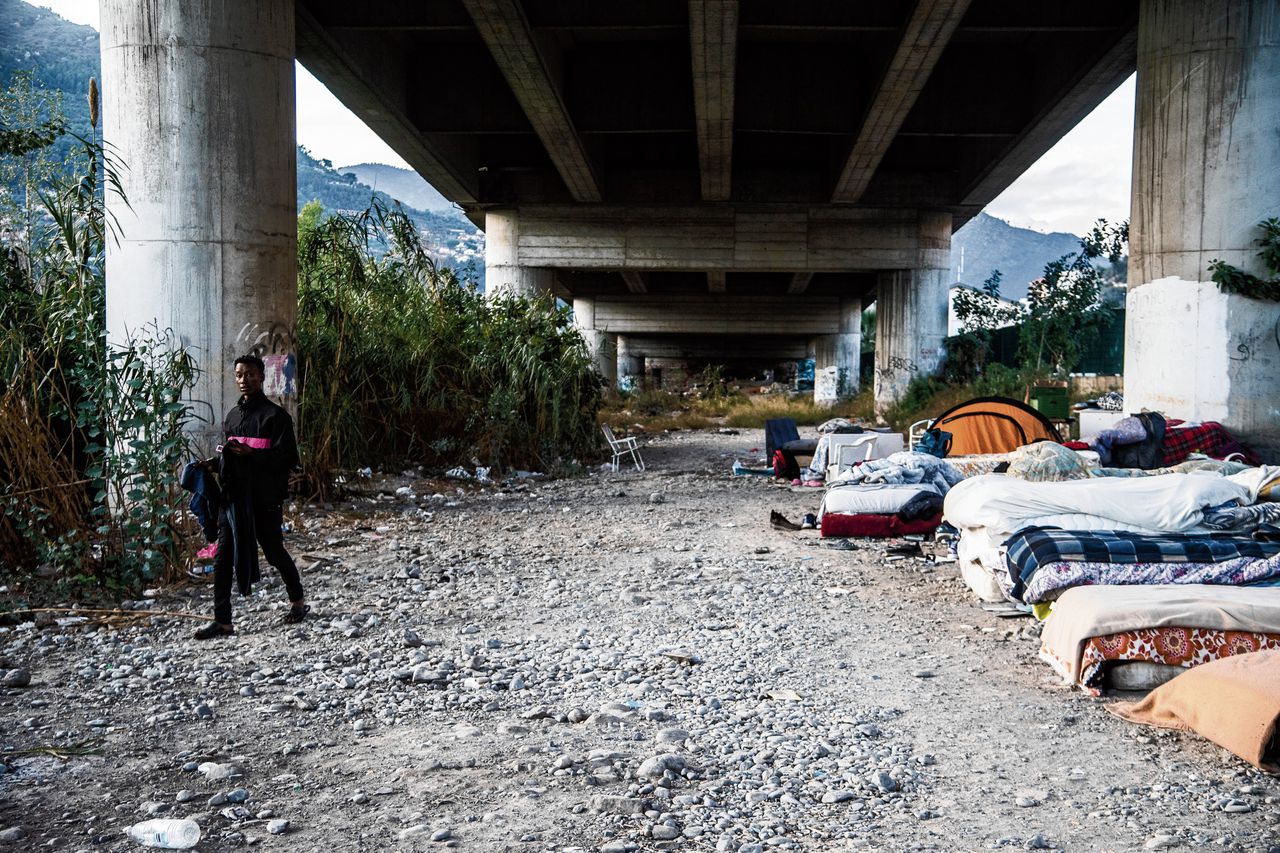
{"x": 1210, "y": 438}
{"x": 1033, "y": 547}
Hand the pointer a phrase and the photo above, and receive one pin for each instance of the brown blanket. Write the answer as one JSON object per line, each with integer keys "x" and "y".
{"x": 1234, "y": 702}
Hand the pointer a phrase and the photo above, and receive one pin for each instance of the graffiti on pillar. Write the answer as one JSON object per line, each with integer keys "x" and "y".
{"x": 897, "y": 364}
{"x": 276, "y": 344}
{"x": 826, "y": 384}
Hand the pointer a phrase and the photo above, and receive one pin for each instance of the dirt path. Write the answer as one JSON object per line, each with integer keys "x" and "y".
{"x": 589, "y": 665}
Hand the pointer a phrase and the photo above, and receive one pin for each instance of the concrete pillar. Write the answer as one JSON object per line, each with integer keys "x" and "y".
{"x": 911, "y": 313}
{"x": 198, "y": 103}
{"x": 602, "y": 345}
{"x": 503, "y": 273}
{"x": 1206, "y": 170}
{"x": 630, "y": 366}
{"x": 837, "y": 357}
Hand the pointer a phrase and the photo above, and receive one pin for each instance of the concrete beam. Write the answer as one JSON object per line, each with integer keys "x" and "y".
{"x": 346, "y": 68}
{"x": 716, "y": 281}
{"x": 713, "y": 34}
{"x": 1063, "y": 113}
{"x": 924, "y": 38}
{"x": 635, "y": 281}
{"x": 692, "y": 313}
{"x": 720, "y": 349}
{"x": 506, "y": 31}
{"x": 799, "y": 283}
{"x": 760, "y": 238}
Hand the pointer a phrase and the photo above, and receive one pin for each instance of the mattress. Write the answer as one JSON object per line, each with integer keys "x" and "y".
{"x": 874, "y": 525}
{"x": 1041, "y": 562}
{"x": 1170, "y": 503}
{"x": 1084, "y": 613}
{"x": 1173, "y": 646}
{"x": 863, "y": 498}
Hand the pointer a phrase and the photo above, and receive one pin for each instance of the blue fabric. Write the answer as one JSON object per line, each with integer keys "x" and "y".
{"x": 777, "y": 432}
{"x": 1033, "y": 547}
{"x": 205, "y": 498}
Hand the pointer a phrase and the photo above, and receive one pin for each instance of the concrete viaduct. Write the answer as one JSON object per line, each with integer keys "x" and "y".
{"x": 710, "y": 177}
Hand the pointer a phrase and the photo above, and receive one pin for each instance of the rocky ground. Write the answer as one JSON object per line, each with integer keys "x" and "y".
{"x": 614, "y": 663}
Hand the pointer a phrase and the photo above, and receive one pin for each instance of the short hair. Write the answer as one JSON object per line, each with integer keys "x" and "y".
{"x": 252, "y": 361}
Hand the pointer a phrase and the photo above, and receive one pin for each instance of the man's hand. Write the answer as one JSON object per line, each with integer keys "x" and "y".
{"x": 237, "y": 449}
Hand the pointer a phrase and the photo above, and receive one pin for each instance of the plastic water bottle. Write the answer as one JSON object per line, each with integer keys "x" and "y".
{"x": 167, "y": 834}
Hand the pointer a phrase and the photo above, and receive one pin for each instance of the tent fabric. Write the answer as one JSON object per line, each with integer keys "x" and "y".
{"x": 993, "y": 425}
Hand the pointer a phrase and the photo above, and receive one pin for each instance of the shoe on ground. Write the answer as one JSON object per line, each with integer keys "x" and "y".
{"x": 810, "y": 522}
{"x": 212, "y": 631}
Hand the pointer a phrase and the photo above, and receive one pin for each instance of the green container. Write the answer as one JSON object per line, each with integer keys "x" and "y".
{"x": 1051, "y": 402}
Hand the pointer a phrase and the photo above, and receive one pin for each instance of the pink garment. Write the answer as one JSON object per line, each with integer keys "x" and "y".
{"x": 255, "y": 443}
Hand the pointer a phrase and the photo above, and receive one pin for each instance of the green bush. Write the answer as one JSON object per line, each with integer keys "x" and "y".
{"x": 401, "y": 360}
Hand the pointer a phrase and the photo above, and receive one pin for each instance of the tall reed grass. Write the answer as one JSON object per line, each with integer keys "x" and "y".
{"x": 402, "y": 361}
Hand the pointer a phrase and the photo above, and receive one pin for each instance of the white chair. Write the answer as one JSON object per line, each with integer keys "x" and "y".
{"x": 621, "y": 447}
{"x": 845, "y": 451}
{"x": 916, "y": 431}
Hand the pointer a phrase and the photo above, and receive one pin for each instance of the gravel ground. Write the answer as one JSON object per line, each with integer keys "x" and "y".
{"x": 615, "y": 663}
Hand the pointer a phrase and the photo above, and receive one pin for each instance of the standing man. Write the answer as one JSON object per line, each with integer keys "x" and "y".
{"x": 259, "y": 452}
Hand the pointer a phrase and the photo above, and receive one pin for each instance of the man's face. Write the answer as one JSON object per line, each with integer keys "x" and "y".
{"x": 248, "y": 379}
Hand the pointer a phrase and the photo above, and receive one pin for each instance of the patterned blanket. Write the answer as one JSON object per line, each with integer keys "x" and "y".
{"x": 1185, "y": 647}
{"x": 1106, "y": 556}
{"x": 1052, "y": 579}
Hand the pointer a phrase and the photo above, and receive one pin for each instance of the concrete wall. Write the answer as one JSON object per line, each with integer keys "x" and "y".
{"x": 198, "y": 102}
{"x": 1206, "y": 171}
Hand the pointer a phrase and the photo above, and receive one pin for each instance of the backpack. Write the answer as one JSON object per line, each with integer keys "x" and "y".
{"x": 935, "y": 442}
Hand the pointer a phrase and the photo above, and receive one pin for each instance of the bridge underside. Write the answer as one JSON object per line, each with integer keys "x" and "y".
{"x": 726, "y": 152}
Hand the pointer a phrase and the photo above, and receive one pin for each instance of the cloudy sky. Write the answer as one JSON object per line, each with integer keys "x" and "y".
{"x": 1085, "y": 176}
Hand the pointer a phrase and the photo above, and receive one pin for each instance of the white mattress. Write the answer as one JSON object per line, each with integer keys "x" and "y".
{"x": 876, "y": 498}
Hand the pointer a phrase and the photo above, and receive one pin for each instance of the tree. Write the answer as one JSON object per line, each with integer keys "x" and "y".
{"x": 31, "y": 120}
{"x": 980, "y": 313}
{"x": 1064, "y": 310}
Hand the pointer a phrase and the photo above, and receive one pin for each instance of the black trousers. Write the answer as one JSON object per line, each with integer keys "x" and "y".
{"x": 266, "y": 521}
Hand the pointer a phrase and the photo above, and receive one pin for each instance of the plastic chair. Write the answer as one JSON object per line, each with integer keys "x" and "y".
{"x": 621, "y": 447}
{"x": 916, "y": 431}
{"x": 848, "y": 451}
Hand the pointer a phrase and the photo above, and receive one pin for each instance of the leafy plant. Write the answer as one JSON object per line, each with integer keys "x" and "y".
{"x": 1232, "y": 279}
{"x": 399, "y": 359}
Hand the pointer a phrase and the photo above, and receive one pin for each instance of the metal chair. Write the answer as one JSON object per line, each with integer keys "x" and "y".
{"x": 621, "y": 447}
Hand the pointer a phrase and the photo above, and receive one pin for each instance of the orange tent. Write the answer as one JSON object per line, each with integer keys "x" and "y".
{"x": 993, "y": 425}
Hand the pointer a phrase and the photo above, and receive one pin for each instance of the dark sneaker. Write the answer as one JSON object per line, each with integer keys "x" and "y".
{"x": 810, "y": 522}
{"x": 212, "y": 631}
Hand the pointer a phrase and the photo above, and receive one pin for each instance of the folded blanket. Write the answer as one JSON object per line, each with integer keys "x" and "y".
{"x": 1242, "y": 519}
{"x": 1096, "y": 552}
{"x": 1234, "y": 702}
{"x": 1091, "y": 611}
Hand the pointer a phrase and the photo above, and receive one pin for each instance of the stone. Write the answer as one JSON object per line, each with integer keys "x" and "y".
{"x": 672, "y": 736}
{"x": 16, "y": 678}
{"x": 615, "y": 804}
{"x": 239, "y": 795}
{"x": 657, "y": 498}
{"x": 443, "y": 834}
{"x": 279, "y": 826}
{"x": 841, "y": 796}
{"x": 1160, "y": 841}
{"x": 653, "y": 768}
{"x": 215, "y": 772}
{"x": 663, "y": 832}
{"x": 13, "y": 833}
{"x": 884, "y": 781}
